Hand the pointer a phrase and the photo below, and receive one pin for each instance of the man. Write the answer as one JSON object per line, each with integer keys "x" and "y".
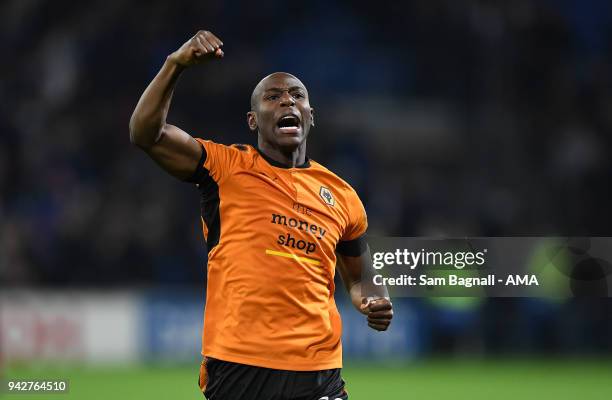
{"x": 273, "y": 221}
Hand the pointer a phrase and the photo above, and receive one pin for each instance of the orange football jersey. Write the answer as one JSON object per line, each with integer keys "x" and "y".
{"x": 272, "y": 233}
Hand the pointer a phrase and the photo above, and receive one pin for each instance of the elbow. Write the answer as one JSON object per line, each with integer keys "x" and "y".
{"x": 137, "y": 132}
{"x": 133, "y": 131}
{"x": 142, "y": 134}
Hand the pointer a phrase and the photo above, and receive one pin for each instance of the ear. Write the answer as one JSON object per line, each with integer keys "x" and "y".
{"x": 311, "y": 116}
{"x": 252, "y": 120}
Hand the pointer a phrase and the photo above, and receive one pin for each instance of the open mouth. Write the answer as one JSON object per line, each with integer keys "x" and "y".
{"x": 289, "y": 124}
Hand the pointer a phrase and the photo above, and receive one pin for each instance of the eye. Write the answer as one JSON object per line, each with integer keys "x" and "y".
{"x": 298, "y": 95}
{"x": 272, "y": 97}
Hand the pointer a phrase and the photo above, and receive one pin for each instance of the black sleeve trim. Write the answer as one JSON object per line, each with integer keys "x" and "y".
{"x": 353, "y": 248}
{"x": 200, "y": 173}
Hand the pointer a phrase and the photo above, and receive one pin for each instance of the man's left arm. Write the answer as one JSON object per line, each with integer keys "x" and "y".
{"x": 369, "y": 299}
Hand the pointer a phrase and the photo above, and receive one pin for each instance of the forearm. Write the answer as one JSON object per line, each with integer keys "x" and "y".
{"x": 149, "y": 116}
{"x": 369, "y": 299}
{"x": 359, "y": 292}
{"x": 356, "y": 296}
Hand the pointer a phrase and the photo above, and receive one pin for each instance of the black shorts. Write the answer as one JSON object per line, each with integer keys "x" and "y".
{"x": 224, "y": 380}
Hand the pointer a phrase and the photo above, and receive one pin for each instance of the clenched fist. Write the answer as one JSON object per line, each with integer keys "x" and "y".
{"x": 379, "y": 312}
{"x": 203, "y": 46}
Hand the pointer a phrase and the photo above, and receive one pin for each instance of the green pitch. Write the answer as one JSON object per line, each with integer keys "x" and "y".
{"x": 432, "y": 380}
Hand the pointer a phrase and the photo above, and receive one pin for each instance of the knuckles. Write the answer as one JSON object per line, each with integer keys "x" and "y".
{"x": 378, "y": 327}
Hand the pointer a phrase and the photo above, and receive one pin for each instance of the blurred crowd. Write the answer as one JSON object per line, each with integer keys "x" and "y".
{"x": 487, "y": 118}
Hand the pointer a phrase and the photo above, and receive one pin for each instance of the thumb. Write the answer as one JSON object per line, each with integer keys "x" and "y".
{"x": 365, "y": 304}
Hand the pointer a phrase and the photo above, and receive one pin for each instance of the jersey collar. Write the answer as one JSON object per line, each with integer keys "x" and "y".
{"x": 275, "y": 163}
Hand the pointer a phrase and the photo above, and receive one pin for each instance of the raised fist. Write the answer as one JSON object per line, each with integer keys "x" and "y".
{"x": 203, "y": 46}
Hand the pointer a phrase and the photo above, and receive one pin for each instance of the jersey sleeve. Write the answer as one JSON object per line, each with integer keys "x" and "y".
{"x": 358, "y": 220}
{"x": 218, "y": 161}
{"x": 353, "y": 242}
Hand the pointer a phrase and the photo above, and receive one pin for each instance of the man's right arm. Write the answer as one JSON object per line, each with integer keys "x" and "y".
{"x": 172, "y": 148}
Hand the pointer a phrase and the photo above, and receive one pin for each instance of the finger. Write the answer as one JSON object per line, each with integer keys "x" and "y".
{"x": 378, "y": 327}
{"x": 200, "y": 48}
{"x": 379, "y": 321}
{"x": 212, "y": 39}
{"x": 386, "y": 314}
{"x": 206, "y": 44}
{"x": 201, "y": 39}
{"x": 208, "y": 39}
{"x": 380, "y": 305}
{"x": 219, "y": 53}
{"x": 365, "y": 304}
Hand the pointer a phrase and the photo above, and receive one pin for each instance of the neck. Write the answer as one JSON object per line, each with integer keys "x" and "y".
{"x": 288, "y": 157}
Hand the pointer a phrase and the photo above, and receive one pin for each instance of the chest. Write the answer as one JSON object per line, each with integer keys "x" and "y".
{"x": 296, "y": 203}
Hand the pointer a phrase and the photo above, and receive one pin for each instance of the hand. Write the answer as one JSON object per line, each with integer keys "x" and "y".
{"x": 379, "y": 312}
{"x": 204, "y": 45}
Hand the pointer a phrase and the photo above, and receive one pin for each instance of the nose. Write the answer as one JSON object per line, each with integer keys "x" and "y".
{"x": 287, "y": 99}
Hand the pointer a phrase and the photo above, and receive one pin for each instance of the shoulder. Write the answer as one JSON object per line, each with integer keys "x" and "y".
{"x": 221, "y": 160}
{"x": 235, "y": 148}
{"x": 218, "y": 152}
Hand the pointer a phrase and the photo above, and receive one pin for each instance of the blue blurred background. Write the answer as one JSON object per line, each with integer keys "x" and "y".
{"x": 454, "y": 118}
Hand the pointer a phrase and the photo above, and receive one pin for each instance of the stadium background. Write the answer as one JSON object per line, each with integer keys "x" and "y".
{"x": 471, "y": 118}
